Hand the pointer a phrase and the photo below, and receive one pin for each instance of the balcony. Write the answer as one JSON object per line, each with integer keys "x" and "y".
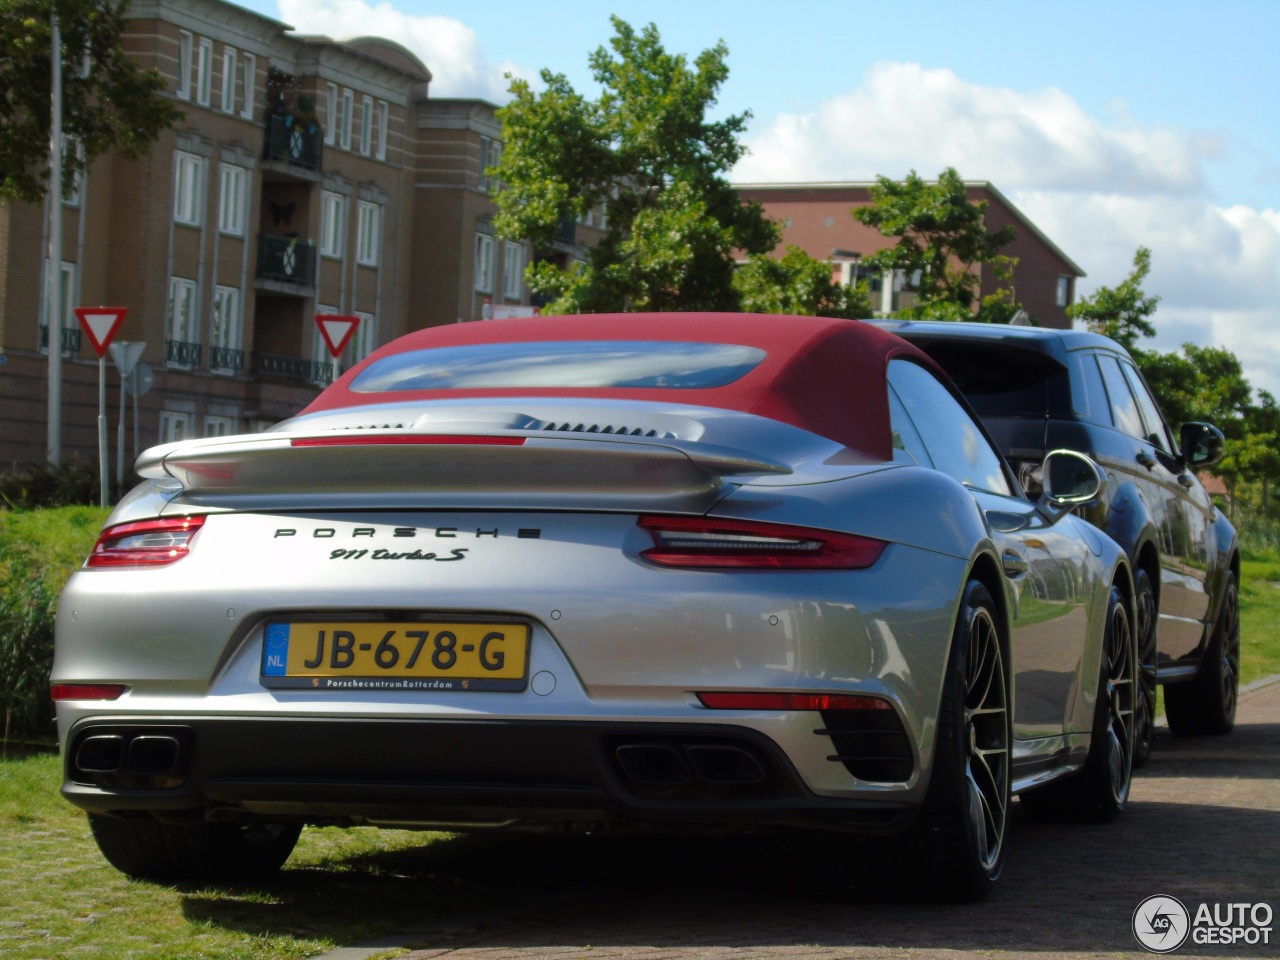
{"x": 182, "y": 354}
{"x": 292, "y": 368}
{"x": 70, "y": 340}
{"x": 226, "y": 361}
{"x": 286, "y": 260}
{"x": 292, "y": 143}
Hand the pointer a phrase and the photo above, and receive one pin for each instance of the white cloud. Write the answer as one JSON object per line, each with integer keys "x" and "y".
{"x": 1098, "y": 189}
{"x": 448, "y": 47}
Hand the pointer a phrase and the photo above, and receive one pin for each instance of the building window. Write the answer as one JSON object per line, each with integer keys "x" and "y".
{"x": 484, "y": 263}
{"x": 231, "y": 200}
{"x": 333, "y": 215}
{"x": 185, "y": 41}
{"x": 365, "y": 340}
{"x": 69, "y": 336}
{"x": 204, "y": 72}
{"x": 175, "y": 425}
{"x": 229, "y": 79}
{"x": 383, "y": 116}
{"x": 188, "y": 170}
{"x": 217, "y": 425}
{"x": 330, "y": 113}
{"x": 224, "y": 331}
{"x": 512, "y": 270}
{"x": 182, "y": 329}
{"x": 1063, "y": 298}
{"x": 345, "y": 118}
{"x": 366, "y": 125}
{"x": 368, "y": 224}
{"x": 250, "y": 79}
{"x": 490, "y": 154}
{"x": 73, "y": 148}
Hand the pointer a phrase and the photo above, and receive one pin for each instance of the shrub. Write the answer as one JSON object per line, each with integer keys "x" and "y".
{"x": 42, "y": 485}
{"x": 38, "y": 551}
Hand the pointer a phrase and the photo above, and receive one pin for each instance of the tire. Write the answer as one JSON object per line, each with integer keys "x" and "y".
{"x": 1207, "y": 704}
{"x": 957, "y": 845}
{"x": 1099, "y": 792}
{"x": 1145, "y": 712}
{"x": 146, "y": 849}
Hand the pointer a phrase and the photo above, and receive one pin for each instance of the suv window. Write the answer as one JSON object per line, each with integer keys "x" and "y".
{"x": 1089, "y": 396}
{"x": 1003, "y": 381}
{"x": 1157, "y": 430}
{"x": 951, "y": 438}
{"x": 1124, "y": 409}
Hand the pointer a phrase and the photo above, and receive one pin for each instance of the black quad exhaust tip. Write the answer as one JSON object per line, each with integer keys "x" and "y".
{"x": 103, "y": 753}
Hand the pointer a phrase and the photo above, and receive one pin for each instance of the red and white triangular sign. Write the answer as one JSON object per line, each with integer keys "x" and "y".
{"x": 100, "y": 325}
{"x": 337, "y": 331}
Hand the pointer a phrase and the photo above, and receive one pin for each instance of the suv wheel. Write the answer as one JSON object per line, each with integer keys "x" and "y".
{"x": 1207, "y": 704}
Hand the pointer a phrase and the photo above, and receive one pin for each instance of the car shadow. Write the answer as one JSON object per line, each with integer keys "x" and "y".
{"x": 1198, "y": 828}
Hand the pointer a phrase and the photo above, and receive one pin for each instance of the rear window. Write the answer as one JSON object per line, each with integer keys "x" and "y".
{"x": 1003, "y": 381}
{"x": 577, "y": 363}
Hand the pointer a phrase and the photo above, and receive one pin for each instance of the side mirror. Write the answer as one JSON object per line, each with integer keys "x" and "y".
{"x": 1202, "y": 444}
{"x": 1070, "y": 479}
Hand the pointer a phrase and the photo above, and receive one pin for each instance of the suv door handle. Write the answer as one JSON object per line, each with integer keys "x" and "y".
{"x": 1145, "y": 459}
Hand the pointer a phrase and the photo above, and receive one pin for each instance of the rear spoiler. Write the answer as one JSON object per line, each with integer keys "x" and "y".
{"x": 403, "y": 469}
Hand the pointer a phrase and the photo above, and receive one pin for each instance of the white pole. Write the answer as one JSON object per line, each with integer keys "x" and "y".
{"x": 120, "y": 438}
{"x": 55, "y": 245}
{"x": 103, "y": 466}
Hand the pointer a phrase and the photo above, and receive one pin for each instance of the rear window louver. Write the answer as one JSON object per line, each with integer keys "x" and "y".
{"x": 568, "y": 426}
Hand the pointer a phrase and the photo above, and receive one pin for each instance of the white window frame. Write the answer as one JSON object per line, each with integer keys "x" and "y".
{"x": 225, "y": 324}
{"x": 368, "y": 233}
{"x": 188, "y": 197}
{"x": 348, "y": 110}
{"x": 219, "y": 425}
{"x": 512, "y": 270}
{"x": 1062, "y": 296}
{"x": 73, "y": 146}
{"x": 186, "y": 44}
{"x": 250, "y": 85}
{"x": 484, "y": 263}
{"x": 228, "y": 79}
{"x": 333, "y": 223}
{"x": 384, "y": 115}
{"x": 204, "y": 72}
{"x": 366, "y": 125}
{"x": 175, "y": 425}
{"x": 331, "y": 113}
{"x": 365, "y": 340}
{"x": 231, "y": 199}
{"x": 67, "y": 274}
{"x": 182, "y": 321}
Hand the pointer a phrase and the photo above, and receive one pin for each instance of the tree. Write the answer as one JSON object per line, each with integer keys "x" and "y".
{"x": 645, "y": 153}
{"x": 107, "y": 100}
{"x": 942, "y": 238}
{"x": 798, "y": 284}
{"x": 1121, "y": 314}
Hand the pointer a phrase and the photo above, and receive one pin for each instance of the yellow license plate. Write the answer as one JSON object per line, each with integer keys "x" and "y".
{"x": 395, "y": 656}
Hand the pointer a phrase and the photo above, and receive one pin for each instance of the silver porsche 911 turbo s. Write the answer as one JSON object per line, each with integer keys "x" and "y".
{"x": 652, "y": 572}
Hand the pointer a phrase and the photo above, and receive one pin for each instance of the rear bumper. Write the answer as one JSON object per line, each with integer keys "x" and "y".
{"x": 482, "y": 773}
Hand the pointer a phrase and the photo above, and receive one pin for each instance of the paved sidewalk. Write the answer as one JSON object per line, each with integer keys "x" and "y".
{"x": 1203, "y": 826}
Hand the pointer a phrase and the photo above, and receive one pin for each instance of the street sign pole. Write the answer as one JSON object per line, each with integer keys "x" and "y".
{"x": 125, "y": 354}
{"x": 53, "y": 271}
{"x": 102, "y": 427}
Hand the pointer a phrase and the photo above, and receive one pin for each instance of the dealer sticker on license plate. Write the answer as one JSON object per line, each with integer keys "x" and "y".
{"x": 395, "y": 656}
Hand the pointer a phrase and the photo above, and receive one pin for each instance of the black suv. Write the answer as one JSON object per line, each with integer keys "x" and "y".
{"x": 1039, "y": 390}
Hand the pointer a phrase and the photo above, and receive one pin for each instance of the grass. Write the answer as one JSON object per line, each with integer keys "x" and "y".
{"x": 1259, "y": 619}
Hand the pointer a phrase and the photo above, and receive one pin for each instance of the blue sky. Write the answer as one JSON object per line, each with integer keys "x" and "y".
{"x": 1109, "y": 124}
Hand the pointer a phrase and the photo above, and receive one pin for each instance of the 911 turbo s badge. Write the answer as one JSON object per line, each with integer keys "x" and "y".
{"x": 459, "y": 553}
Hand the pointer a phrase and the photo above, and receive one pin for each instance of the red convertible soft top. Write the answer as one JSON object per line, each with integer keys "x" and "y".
{"x": 822, "y": 375}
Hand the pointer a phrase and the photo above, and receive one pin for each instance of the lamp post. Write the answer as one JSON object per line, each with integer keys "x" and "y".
{"x": 54, "y": 272}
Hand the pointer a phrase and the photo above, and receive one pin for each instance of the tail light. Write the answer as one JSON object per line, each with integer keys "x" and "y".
{"x": 745, "y": 544}
{"x": 146, "y": 543}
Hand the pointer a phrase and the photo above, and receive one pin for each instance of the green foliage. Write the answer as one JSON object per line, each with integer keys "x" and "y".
{"x": 43, "y": 485}
{"x": 645, "y": 153}
{"x": 798, "y": 284}
{"x": 38, "y": 551}
{"x": 942, "y": 239}
{"x": 111, "y": 104}
{"x": 1123, "y": 314}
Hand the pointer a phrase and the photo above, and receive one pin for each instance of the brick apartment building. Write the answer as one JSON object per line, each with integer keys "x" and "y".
{"x": 816, "y": 217}
{"x": 308, "y": 176}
